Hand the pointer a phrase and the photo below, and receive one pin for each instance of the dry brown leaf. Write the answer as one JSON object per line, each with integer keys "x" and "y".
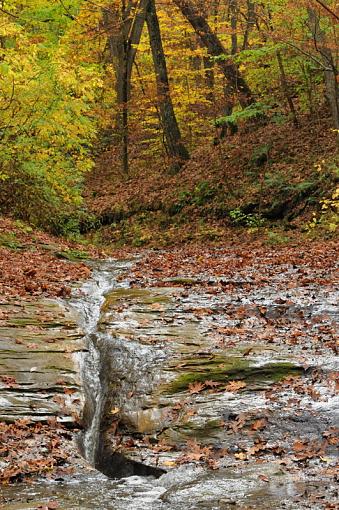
{"x": 235, "y": 386}
{"x": 212, "y": 384}
{"x": 264, "y": 478}
{"x": 115, "y": 410}
{"x": 241, "y": 456}
{"x": 196, "y": 387}
{"x": 259, "y": 424}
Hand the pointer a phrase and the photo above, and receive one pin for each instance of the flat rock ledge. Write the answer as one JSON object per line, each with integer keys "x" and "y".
{"x": 39, "y": 362}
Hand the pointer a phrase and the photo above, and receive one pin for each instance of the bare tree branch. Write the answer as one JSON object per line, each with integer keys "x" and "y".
{"x": 326, "y": 7}
{"x": 8, "y": 13}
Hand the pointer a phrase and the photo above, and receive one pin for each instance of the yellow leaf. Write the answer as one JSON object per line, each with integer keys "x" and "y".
{"x": 240, "y": 456}
{"x": 169, "y": 463}
{"x": 115, "y": 410}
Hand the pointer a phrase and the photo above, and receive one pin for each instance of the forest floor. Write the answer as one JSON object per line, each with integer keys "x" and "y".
{"x": 269, "y": 180}
{"x": 33, "y": 263}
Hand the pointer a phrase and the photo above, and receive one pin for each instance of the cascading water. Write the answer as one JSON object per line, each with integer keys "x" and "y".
{"x": 87, "y": 301}
{"x": 96, "y": 373}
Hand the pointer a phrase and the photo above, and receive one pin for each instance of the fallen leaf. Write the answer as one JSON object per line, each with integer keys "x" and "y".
{"x": 115, "y": 410}
{"x": 264, "y": 478}
{"x": 169, "y": 463}
{"x": 9, "y": 381}
{"x": 196, "y": 387}
{"x": 212, "y": 384}
{"x": 241, "y": 456}
{"x": 259, "y": 424}
{"x": 299, "y": 446}
{"x": 70, "y": 391}
{"x": 32, "y": 346}
{"x": 235, "y": 385}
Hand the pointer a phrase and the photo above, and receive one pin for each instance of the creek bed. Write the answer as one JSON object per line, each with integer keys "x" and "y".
{"x": 228, "y": 443}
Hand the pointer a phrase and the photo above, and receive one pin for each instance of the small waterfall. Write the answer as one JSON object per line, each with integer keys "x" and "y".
{"x": 95, "y": 400}
{"x": 95, "y": 372}
{"x": 87, "y": 301}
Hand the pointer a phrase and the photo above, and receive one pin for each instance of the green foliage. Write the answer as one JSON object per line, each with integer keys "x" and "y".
{"x": 260, "y": 154}
{"x": 252, "y": 54}
{"x": 72, "y": 255}
{"x": 253, "y": 111}
{"x": 252, "y": 221}
{"x": 74, "y": 224}
{"x": 46, "y": 130}
{"x": 279, "y": 184}
{"x": 57, "y": 92}
{"x": 276, "y": 238}
{"x": 9, "y": 240}
{"x": 141, "y": 235}
{"x": 24, "y": 227}
{"x": 275, "y": 180}
{"x": 209, "y": 232}
{"x": 199, "y": 196}
{"x": 328, "y": 219}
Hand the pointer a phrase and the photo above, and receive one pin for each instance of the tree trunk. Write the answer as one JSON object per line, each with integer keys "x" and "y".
{"x": 233, "y": 9}
{"x": 209, "y": 78}
{"x": 176, "y": 149}
{"x": 236, "y": 83}
{"x": 250, "y": 23}
{"x": 208, "y": 63}
{"x": 330, "y": 69}
{"x": 123, "y": 86}
{"x": 285, "y": 89}
{"x": 124, "y": 31}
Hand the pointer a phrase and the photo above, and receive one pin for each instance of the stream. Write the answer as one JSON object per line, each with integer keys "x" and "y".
{"x": 152, "y": 439}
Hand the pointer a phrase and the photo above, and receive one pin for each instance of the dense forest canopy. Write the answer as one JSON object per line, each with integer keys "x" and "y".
{"x": 152, "y": 79}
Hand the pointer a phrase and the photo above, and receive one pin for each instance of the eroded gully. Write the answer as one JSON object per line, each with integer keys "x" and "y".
{"x": 165, "y": 446}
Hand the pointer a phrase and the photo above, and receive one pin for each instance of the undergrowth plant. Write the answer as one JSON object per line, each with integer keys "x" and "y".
{"x": 328, "y": 217}
{"x": 251, "y": 221}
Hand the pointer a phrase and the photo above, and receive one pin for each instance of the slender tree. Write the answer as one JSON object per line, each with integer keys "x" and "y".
{"x": 233, "y": 10}
{"x": 250, "y": 23}
{"x": 176, "y": 149}
{"x": 124, "y": 27}
{"x": 330, "y": 69}
{"x": 286, "y": 89}
{"x": 236, "y": 84}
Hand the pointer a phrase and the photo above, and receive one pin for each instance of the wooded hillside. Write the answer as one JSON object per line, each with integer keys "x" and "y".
{"x": 232, "y": 103}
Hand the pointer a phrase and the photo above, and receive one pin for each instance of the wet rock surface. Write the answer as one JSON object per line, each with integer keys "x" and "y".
{"x": 40, "y": 389}
{"x": 38, "y": 376}
{"x": 270, "y": 487}
{"x": 184, "y": 372}
{"x": 227, "y": 393}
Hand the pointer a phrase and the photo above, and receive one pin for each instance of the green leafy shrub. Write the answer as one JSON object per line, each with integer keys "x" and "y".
{"x": 253, "y": 111}
{"x": 47, "y": 130}
{"x": 274, "y": 238}
{"x": 9, "y": 240}
{"x": 241, "y": 219}
{"x": 328, "y": 218}
{"x": 202, "y": 193}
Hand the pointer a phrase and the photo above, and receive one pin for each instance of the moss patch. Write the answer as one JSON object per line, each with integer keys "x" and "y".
{"x": 9, "y": 240}
{"x": 141, "y": 296}
{"x": 222, "y": 369}
{"x": 72, "y": 255}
